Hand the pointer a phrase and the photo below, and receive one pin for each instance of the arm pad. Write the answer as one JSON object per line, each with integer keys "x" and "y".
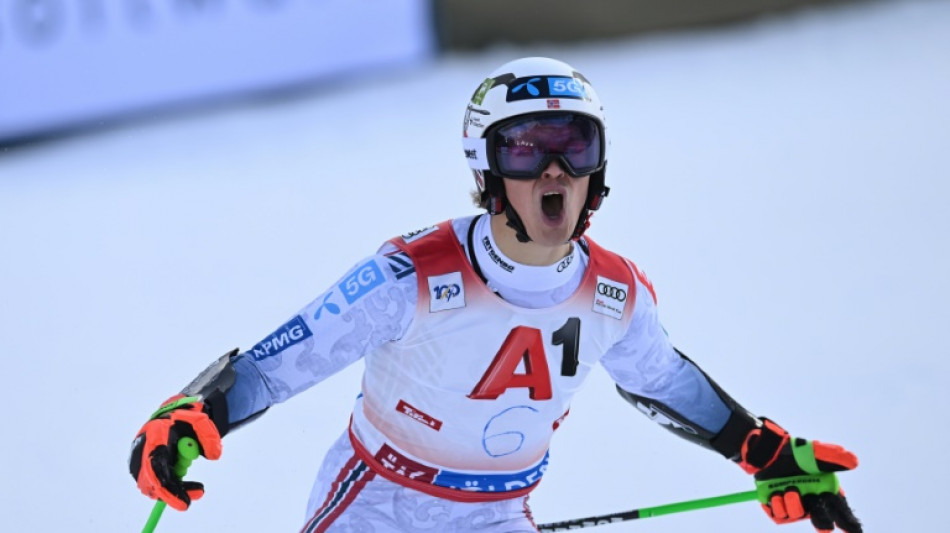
{"x": 727, "y": 441}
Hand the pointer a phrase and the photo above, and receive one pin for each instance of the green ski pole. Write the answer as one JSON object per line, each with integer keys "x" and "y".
{"x": 188, "y": 451}
{"x": 806, "y": 484}
{"x": 646, "y": 512}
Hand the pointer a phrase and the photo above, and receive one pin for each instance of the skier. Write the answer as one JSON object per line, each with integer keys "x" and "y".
{"x": 476, "y": 333}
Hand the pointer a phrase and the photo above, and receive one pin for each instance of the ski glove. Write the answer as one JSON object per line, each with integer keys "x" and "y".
{"x": 155, "y": 448}
{"x": 795, "y": 478}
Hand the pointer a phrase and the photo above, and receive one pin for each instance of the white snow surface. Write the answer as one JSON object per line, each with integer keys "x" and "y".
{"x": 784, "y": 182}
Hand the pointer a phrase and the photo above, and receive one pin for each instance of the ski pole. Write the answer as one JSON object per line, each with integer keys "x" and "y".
{"x": 187, "y": 452}
{"x": 647, "y": 512}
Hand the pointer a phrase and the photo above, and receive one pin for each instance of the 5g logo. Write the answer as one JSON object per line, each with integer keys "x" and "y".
{"x": 364, "y": 279}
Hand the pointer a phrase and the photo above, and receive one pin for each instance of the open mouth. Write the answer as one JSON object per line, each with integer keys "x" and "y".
{"x": 552, "y": 204}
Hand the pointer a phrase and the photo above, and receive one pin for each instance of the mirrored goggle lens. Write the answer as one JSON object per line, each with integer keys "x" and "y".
{"x": 524, "y": 148}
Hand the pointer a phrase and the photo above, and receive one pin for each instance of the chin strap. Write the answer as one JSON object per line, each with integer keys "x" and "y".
{"x": 596, "y": 192}
{"x": 515, "y": 223}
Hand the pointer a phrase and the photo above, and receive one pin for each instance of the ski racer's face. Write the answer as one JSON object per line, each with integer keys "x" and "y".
{"x": 549, "y": 205}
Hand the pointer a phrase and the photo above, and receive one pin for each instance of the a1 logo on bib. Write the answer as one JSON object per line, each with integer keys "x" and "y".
{"x": 446, "y": 292}
{"x": 610, "y": 297}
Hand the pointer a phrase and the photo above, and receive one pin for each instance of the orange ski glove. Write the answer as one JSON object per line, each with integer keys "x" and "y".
{"x": 795, "y": 478}
{"x": 155, "y": 448}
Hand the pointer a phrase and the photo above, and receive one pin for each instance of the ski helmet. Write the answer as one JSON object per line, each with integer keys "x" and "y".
{"x": 532, "y": 86}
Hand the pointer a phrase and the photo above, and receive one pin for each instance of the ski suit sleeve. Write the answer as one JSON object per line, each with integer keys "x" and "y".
{"x": 664, "y": 384}
{"x": 370, "y": 305}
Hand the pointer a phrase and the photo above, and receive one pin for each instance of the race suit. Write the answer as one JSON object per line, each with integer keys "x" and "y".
{"x": 471, "y": 361}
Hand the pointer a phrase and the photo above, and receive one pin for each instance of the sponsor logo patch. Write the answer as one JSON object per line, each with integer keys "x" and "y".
{"x": 492, "y": 482}
{"x": 566, "y": 262}
{"x": 364, "y": 279}
{"x": 417, "y": 415}
{"x": 549, "y": 87}
{"x": 505, "y": 265}
{"x": 446, "y": 292}
{"x": 418, "y": 234}
{"x": 610, "y": 297}
{"x": 482, "y": 90}
{"x": 327, "y": 305}
{"x": 291, "y": 333}
{"x": 398, "y": 463}
{"x": 473, "y": 119}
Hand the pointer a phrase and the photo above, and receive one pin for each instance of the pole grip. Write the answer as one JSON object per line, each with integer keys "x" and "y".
{"x": 188, "y": 451}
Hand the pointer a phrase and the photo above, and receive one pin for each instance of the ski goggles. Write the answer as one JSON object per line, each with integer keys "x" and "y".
{"x": 521, "y": 148}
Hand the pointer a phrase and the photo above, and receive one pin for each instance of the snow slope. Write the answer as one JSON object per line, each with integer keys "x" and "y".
{"x": 783, "y": 182}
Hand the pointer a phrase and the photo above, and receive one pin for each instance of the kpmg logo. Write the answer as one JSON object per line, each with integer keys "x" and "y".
{"x": 446, "y": 292}
{"x": 291, "y": 333}
{"x": 551, "y": 87}
{"x": 364, "y": 279}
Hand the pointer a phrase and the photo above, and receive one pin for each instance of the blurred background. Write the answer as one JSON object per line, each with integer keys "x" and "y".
{"x": 178, "y": 178}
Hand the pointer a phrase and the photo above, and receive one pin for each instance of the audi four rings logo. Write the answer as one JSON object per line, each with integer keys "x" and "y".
{"x": 612, "y": 292}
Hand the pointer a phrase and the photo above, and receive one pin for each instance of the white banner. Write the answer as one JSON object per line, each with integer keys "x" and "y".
{"x": 69, "y": 62}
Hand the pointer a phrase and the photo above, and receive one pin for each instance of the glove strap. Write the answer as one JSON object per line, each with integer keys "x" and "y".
{"x": 762, "y": 446}
{"x": 174, "y": 403}
{"x": 804, "y": 452}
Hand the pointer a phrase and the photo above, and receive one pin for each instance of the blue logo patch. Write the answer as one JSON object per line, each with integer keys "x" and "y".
{"x": 532, "y": 90}
{"x": 294, "y": 331}
{"x": 364, "y": 279}
{"x": 331, "y": 307}
{"x": 546, "y": 87}
{"x": 492, "y": 482}
{"x": 566, "y": 87}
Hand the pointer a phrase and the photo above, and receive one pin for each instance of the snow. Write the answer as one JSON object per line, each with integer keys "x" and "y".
{"x": 783, "y": 182}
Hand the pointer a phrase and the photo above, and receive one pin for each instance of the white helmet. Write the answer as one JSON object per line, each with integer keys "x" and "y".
{"x": 537, "y": 87}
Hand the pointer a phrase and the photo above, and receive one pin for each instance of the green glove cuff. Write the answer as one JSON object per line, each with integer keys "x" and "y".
{"x": 808, "y": 484}
{"x": 171, "y": 406}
